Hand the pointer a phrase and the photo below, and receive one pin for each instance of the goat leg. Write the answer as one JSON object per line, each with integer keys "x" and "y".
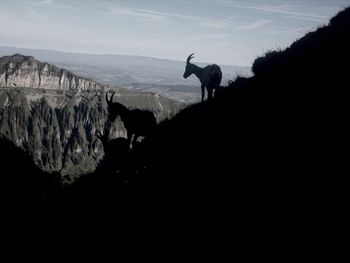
{"x": 210, "y": 93}
{"x": 203, "y": 88}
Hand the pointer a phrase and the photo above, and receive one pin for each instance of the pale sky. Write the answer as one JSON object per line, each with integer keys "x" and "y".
{"x": 232, "y": 32}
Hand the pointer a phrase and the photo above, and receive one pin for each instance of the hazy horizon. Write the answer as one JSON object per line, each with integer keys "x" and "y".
{"x": 227, "y": 32}
{"x": 101, "y": 54}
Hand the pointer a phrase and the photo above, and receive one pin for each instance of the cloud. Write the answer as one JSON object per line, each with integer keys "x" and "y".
{"x": 297, "y": 30}
{"x": 29, "y": 30}
{"x": 284, "y": 10}
{"x": 36, "y": 15}
{"x": 144, "y": 13}
{"x": 161, "y": 16}
{"x": 36, "y": 4}
{"x": 318, "y": 20}
{"x": 166, "y": 14}
{"x": 41, "y": 2}
{"x": 255, "y": 25}
{"x": 217, "y": 24}
{"x": 134, "y": 12}
{"x": 193, "y": 38}
{"x": 47, "y": 1}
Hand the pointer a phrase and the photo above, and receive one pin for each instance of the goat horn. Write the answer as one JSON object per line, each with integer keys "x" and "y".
{"x": 111, "y": 99}
{"x": 108, "y": 101}
{"x": 190, "y": 57}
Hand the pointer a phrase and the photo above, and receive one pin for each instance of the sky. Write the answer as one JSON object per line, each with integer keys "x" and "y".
{"x": 231, "y": 32}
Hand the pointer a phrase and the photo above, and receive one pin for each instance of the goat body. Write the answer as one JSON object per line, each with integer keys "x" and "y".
{"x": 139, "y": 122}
{"x": 116, "y": 153}
{"x": 136, "y": 122}
{"x": 209, "y": 76}
{"x": 117, "y": 146}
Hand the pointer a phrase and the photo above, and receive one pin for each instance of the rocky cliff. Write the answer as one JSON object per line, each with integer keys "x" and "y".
{"x": 26, "y": 71}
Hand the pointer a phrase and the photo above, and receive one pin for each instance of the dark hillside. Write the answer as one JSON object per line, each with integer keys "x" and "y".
{"x": 24, "y": 189}
{"x": 283, "y": 121}
{"x": 276, "y": 134}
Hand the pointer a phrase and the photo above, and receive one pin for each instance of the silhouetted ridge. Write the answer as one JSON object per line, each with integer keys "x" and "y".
{"x": 342, "y": 20}
{"x": 317, "y": 52}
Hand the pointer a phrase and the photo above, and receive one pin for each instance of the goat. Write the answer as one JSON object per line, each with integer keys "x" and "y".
{"x": 115, "y": 146}
{"x": 209, "y": 76}
{"x": 136, "y": 122}
{"x": 116, "y": 153}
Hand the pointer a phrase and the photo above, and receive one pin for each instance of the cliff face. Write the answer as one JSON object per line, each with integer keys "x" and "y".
{"x": 25, "y": 71}
{"x": 53, "y": 115}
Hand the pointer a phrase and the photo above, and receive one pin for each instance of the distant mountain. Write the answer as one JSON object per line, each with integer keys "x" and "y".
{"x": 144, "y": 73}
{"x": 25, "y": 71}
{"x": 53, "y": 114}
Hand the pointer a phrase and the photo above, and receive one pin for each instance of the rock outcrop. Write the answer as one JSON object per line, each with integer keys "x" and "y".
{"x": 26, "y": 71}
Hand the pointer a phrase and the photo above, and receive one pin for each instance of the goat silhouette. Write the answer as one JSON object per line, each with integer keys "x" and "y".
{"x": 137, "y": 122}
{"x": 209, "y": 76}
{"x": 111, "y": 147}
{"x": 116, "y": 153}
